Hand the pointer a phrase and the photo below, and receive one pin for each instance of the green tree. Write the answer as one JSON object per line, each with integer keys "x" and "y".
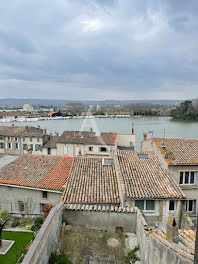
{"x": 4, "y": 216}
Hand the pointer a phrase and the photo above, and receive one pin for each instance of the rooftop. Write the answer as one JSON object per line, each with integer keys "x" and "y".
{"x": 87, "y": 137}
{"x": 15, "y": 131}
{"x": 51, "y": 143}
{"x": 143, "y": 177}
{"x": 178, "y": 151}
{"x": 90, "y": 182}
{"x": 45, "y": 172}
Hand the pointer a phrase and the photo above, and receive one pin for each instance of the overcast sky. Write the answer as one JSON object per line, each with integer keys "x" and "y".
{"x": 99, "y": 49}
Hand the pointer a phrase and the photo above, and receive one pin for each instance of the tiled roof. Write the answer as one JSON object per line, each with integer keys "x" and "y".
{"x": 51, "y": 143}
{"x": 178, "y": 151}
{"x": 45, "y": 172}
{"x": 145, "y": 178}
{"x": 90, "y": 182}
{"x": 186, "y": 246}
{"x": 13, "y": 131}
{"x": 87, "y": 137}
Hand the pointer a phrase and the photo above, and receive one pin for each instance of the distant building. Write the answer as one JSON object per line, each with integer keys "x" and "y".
{"x": 29, "y": 182}
{"x": 28, "y": 108}
{"x": 13, "y": 115}
{"x": 54, "y": 114}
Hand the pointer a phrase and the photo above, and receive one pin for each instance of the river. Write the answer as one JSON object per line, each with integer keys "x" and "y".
{"x": 174, "y": 129}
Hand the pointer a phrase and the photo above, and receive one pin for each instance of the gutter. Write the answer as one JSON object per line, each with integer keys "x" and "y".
{"x": 29, "y": 188}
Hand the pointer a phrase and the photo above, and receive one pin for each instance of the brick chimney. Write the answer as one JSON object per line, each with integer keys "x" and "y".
{"x": 144, "y": 136}
{"x": 172, "y": 230}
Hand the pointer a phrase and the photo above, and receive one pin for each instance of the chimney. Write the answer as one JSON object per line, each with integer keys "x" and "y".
{"x": 91, "y": 129}
{"x": 144, "y": 136}
{"x": 172, "y": 230}
{"x": 132, "y": 129}
{"x": 39, "y": 126}
{"x": 56, "y": 134}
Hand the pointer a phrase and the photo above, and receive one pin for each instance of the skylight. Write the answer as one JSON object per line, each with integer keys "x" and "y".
{"x": 143, "y": 156}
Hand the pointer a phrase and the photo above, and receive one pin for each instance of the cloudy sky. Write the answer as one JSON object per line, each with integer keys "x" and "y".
{"x": 99, "y": 49}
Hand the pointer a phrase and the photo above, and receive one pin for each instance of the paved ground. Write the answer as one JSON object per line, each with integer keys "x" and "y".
{"x": 96, "y": 247}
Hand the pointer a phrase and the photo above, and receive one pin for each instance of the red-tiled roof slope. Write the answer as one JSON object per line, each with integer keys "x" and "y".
{"x": 90, "y": 182}
{"x": 87, "y": 137}
{"x": 178, "y": 151}
{"x": 45, "y": 172}
{"x": 145, "y": 178}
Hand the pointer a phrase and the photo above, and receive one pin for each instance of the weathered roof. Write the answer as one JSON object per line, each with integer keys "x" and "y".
{"x": 186, "y": 246}
{"x": 178, "y": 151}
{"x": 37, "y": 171}
{"x": 90, "y": 182}
{"x": 143, "y": 177}
{"x": 14, "y": 113}
{"x": 51, "y": 143}
{"x": 87, "y": 137}
{"x": 13, "y": 131}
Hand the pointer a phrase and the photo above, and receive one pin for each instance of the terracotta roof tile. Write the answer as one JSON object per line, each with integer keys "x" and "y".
{"x": 145, "y": 178}
{"x": 178, "y": 151}
{"x": 45, "y": 172}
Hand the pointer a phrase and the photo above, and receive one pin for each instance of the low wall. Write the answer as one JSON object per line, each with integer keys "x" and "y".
{"x": 47, "y": 239}
{"x": 160, "y": 253}
{"x": 100, "y": 220}
{"x": 142, "y": 236}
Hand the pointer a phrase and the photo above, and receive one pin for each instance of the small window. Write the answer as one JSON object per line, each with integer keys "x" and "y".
{"x": 2, "y": 145}
{"x": 16, "y": 138}
{"x": 188, "y": 177}
{"x": 192, "y": 177}
{"x": 171, "y": 205}
{"x": 106, "y": 161}
{"x": 31, "y": 146}
{"x": 30, "y": 139}
{"x": 181, "y": 178}
{"x": 24, "y": 146}
{"x": 38, "y": 139}
{"x": 2, "y": 138}
{"x": 139, "y": 204}
{"x": 103, "y": 149}
{"x": 21, "y": 206}
{"x": 41, "y": 207}
{"x": 16, "y": 146}
{"x": 44, "y": 194}
{"x": 90, "y": 148}
{"x": 9, "y": 138}
{"x": 143, "y": 156}
{"x": 191, "y": 206}
{"x": 150, "y": 205}
{"x": 9, "y": 145}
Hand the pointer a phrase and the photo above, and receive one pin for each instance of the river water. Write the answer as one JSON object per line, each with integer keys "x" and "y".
{"x": 174, "y": 129}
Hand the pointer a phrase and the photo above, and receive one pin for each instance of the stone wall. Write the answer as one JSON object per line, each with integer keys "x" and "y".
{"x": 100, "y": 220}
{"x": 47, "y": 239}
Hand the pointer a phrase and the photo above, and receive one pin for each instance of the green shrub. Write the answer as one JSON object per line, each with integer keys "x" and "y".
{"x": 34, "y": 228}
{"x": 15, "y": 222}
{"x": 58, "y": 259}
{"x": 38, "y": 221}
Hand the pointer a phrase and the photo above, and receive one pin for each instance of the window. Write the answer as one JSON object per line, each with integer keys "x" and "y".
{"x": 145, "y": 205}
{"x": 30, "y": 139}
{"x": 24, "y": 146}
{"x": 90, "y": 148}
{"x": 31, "y": 146}
{"x": 107, "y": 161}
{"x": 2, "y": 138}
{"x": 9, "y": 138}
{"x": 187, "y": 177}
{"x": 16, "y": 146}
{"x": 21, "y": 206}
{"x": 2, "y": 145}
{"x": 171, "y": 205}
{"x": 103, "y": 149}
{"x": 9, "y": 145}
{"x": 191, "y": 206}
{"x": 38, "y": 139}
{"x": 41, "y": 207}
{"x": 44, "y": 194}
{"x": 16, "y": 138}
{"x": 38, "y": 147}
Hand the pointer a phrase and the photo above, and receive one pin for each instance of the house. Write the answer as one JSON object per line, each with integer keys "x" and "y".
{"x": 29, "y": 182}
{"x": 22, "y": 139}
{"x": 54, "y": 114}
{"x": 129, "y": 179}
{"x": 49, "y": 147}
{"x": 13, "y": 115}
{"x": 74, "y": 143}
{"x": 180, "y": 157}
